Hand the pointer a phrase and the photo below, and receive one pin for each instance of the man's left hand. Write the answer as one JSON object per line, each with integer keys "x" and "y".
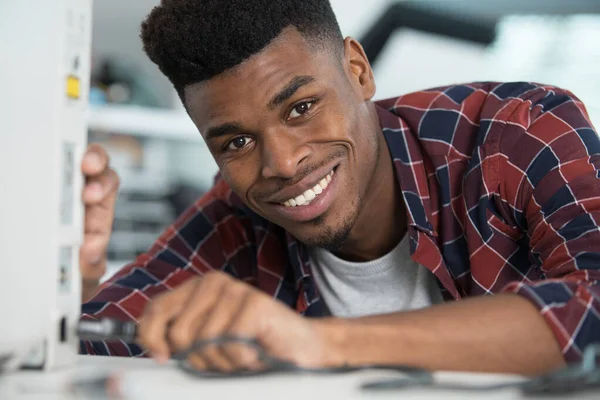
{"x": 218, "y": 305}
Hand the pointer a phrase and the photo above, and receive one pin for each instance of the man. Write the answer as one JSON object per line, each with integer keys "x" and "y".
{"x": 377, "y": 217}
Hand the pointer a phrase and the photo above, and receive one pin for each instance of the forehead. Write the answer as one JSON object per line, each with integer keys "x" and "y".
{"x": 256, "y": 80}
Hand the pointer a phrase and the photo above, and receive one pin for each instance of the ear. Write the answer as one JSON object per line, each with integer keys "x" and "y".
{"x": 358, "y": 68}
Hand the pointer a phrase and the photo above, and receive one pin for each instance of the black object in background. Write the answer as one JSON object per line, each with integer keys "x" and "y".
{"x": 402, "y": 15}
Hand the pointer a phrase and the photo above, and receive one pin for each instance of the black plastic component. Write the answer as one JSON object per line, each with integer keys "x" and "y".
{"x": 402, "y": 15}
{"x": 63, "y": 330}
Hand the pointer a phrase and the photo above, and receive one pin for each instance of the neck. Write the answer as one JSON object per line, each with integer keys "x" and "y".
{"x": 382, "y": 221}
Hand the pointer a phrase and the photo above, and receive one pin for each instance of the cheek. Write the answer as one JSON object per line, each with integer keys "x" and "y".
{"x": 364, "y": 134}
{"x": 363, "y": 159}
{"x": 237, "y": 178}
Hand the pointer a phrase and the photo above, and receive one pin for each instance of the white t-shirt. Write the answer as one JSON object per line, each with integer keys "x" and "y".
{"x": 389, "y": 284}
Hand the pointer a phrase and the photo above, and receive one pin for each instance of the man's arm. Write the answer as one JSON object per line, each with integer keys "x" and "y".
{"x": 98, "y": 196}
{"x": 547, "y": 178}
{"x": 504, "y": 333}
{"x": 190, "y": 247}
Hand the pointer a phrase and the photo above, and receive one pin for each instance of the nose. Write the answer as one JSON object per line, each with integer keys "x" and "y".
{"x": 282, "y": 155}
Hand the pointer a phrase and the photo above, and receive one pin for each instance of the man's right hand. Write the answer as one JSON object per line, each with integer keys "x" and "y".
{"x": 99, "y": 196}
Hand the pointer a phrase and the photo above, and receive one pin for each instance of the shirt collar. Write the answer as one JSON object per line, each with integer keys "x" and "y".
{"x": 409, "y": 166}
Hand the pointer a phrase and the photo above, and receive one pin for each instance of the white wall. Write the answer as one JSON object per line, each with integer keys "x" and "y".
{"x": 411, "y": 60}
{"x": 355, "y": 16}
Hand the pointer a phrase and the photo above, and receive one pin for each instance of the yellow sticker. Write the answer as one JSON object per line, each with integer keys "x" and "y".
{"x": 73, "y": 87}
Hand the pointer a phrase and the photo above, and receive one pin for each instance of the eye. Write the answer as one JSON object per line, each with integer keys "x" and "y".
{"x": 300, "y": 109}
{"x": 239, "y": 143}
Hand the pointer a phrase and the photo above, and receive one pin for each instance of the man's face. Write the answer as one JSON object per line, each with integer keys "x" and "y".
{"x": 292, "y": 134}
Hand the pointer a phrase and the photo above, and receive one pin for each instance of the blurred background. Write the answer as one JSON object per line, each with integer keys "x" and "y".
{"x": 412, "y": 45}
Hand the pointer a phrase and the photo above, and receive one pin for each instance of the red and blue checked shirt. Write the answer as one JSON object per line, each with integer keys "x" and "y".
{"x": 502, "y": 186}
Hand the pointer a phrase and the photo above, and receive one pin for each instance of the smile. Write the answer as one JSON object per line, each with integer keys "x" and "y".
{"x": 305, "y": 203}
{"x": 309, "y": 195}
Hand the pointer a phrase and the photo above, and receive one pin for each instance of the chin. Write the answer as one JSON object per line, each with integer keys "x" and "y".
{"x": 320, "y": 232}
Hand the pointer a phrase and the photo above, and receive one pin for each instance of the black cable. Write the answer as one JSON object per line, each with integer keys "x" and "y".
{"x": 275, "y": 365}
{"x": 573, "y": 378}
{"x": 110, "y": 329}
{"x": 576, "y": 378}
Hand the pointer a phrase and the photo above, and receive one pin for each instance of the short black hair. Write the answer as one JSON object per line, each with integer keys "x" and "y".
{"x": 193, "y": 40}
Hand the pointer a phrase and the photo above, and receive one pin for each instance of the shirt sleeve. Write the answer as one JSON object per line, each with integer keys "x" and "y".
{"x": 549, "y": 176}
{"x": 209, "y": 235}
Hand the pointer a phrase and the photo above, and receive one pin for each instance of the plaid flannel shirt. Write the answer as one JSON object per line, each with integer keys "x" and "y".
{"x": 501, "y": 183}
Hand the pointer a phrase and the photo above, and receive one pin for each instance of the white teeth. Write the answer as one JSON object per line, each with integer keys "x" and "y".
{"x": 308, "y": 196}
{"x": 300, "y": 200}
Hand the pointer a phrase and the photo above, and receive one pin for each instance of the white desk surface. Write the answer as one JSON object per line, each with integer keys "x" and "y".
{"x": 143, "y": 379}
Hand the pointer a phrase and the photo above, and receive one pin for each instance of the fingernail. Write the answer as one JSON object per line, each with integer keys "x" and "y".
{"x": 161, "y": 359}
{"x": 92, "y": 158}
{"x": 94, "y": 260}
{"x": 95, "y": 188}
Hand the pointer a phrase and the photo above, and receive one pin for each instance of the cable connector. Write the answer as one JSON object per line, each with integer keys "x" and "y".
{"x": 107, "y": 329}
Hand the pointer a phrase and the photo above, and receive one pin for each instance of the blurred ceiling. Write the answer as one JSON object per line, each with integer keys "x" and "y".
{"x": 494, "y": 9}
{"x": 116, "y": 22}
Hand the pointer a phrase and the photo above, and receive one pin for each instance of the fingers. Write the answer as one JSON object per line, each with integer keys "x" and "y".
{"x": 101, "y": 189}
{"x": 95, "y": 160}
{"x": 233, "y": 314}
{"x": 197, "y": 361}
{"x": 183, "y": 331}
{"x": 159, "y": 313}
{"x": 92, "y": 259}
{"x": 216, "y": 324}
{"x": 99, "y": 197}
{"x": 99, "y": 216}
{"x": 208, "y": 307}
{"x": 245, "y": 325}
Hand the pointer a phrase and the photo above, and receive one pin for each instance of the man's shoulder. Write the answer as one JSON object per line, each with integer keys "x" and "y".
{"x": 478, "y": 99}
{"x": 457, "y": 119}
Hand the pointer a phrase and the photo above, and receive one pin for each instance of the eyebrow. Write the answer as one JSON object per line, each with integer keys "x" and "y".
{"x": 222, "y": 130}
{"x": 277, "y": 100}
{"x": 289, "y": 90}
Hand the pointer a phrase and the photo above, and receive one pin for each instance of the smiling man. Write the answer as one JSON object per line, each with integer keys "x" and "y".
{"x": 452, "y": 228}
